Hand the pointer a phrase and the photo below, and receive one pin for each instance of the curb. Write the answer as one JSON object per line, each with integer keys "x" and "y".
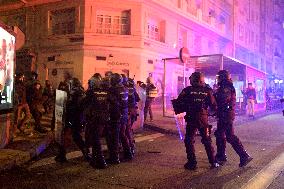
{"x": 17, "y": 158}
{"x": 155, "y": 127}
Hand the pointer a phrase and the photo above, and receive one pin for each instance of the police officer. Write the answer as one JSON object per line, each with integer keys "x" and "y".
{"x": 196, "y": 99}
{"x": 97, "y": 117}
{"x": 226, "y": 101}
{"x": 73, "y": 118}
{"x": 106, "y": 79}
{"x": 118, "y": 97}
{"x": 133, "y": 99}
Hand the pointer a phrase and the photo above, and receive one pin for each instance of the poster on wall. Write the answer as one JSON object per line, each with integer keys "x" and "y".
{"x": 7, "y": 52}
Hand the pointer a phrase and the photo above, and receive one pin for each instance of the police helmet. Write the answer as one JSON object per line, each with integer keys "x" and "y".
{"x": 95, "y": 81}
{"x": 108, "y": 74}
{"x": 75, "y": 82}
{"x": 223, "y": 75}
{"x": 131, "y": 82}
{"x": 124, "y": 79}
{"x": 196, "y": 79}
{"x": 115, "y": 79}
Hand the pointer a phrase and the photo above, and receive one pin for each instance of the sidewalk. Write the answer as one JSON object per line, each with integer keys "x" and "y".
{"x": 167, "y": 125}
{"x": 25, "y": 147}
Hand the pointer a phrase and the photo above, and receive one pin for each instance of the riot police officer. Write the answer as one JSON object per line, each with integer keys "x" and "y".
{"x": 226, "y": 101}
{"x": 73, "y": 119}
{"x": 196, "y": 99}
{"x": 97, "y": 116}
{"x": 133, "y": 99}
{"x": 118, "y": 97}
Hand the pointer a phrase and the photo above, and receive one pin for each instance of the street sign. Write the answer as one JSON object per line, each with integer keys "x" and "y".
{"x": 184, "y": 55}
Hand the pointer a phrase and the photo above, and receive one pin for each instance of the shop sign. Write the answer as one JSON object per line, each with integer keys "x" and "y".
{"x": 63, "y": 62}
{"x": 117, "y": 63}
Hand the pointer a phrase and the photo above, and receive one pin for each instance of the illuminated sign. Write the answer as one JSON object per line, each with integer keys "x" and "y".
{"x": 7, "y": 55}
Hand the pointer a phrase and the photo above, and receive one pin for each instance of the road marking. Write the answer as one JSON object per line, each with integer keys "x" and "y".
{"x": 266, "y": 176}
{"x": 76, "y": 154}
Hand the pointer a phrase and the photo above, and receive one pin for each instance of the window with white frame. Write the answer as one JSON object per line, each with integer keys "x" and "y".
{"x": 113, "y": 22}
{"x": 62, "y": 21}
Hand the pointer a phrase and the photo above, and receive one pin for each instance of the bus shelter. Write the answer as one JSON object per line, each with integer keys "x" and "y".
{"x": 241, "y": 74}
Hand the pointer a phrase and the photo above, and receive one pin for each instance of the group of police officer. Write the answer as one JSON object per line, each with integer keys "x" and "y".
{"x": 196, "y": 100}
{"x": 108, "y": 108}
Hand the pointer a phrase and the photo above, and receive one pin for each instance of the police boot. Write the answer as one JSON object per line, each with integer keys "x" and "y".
{"x": 128, "y": 155}
{"x": 61, "y": 157}
{"x": 214, "y": 165}
{"x": 132, "y": 151}
{"x": 221, "y": 159}
{"x": 245, "y": 160}
{"x": 86, "y": 154}
{"x": 98, "y": 162}
{"x": 113, "y": 159}
{"x": 190, "y": 165}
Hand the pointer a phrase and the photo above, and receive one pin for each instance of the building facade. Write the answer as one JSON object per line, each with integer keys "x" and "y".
{"x": 133, "y": 37}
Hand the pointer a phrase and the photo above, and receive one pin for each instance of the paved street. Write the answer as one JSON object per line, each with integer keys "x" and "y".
{"x": 159, "y": 164}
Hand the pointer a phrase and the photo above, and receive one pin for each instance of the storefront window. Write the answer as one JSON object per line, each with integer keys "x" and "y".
{"x": 259, "y": 88}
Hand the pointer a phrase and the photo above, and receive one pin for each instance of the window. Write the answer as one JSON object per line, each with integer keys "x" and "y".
{"x": 62, "y": 21}
{"x": 113, "y": 23}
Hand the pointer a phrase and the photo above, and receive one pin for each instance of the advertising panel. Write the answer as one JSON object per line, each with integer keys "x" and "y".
{"x": 7, "y": 58}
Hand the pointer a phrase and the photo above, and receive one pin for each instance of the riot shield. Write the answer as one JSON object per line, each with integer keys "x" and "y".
{"x": 140, "y": 120}
{"x": 60, "y": 106}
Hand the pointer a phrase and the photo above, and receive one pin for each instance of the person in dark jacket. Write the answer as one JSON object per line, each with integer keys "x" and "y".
{"x": 196, "y": 100}
{"x": 118, "y": 98}
{"x": 49, "y": 94}
{"x": 20, "y": 103}
{"x": 226, "y": 102}
{"x": 73, "y": 117}
{"x": 97, "y": 118}
{"x": 151, "y": 93}
{"x": 36, "y": 106}
{"x": 133, "y": 99}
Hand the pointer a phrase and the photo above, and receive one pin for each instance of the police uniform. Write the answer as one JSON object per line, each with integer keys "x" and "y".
{"x": 97, "y": 116}
{"x": 226, "y": 101}
{"x": 118, "y": 97}
{"x": 133, "y": 99}
{"x": 73, "y": 118}
{"x": 196, "y": 100}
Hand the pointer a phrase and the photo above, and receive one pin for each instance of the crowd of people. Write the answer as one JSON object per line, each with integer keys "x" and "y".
{"x": 108, "y": 108}
{"x": 28, "y": 100}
